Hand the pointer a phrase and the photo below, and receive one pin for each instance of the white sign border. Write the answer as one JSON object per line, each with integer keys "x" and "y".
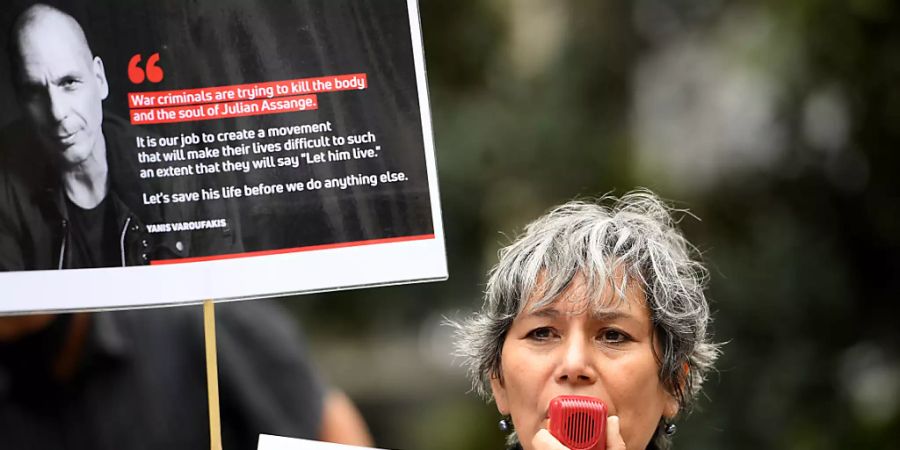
{"x": 272, "y": 442}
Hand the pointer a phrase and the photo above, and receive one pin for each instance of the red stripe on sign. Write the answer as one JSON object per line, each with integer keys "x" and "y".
{"x": 248, "y": 91}
{"x": 308, "y": 248}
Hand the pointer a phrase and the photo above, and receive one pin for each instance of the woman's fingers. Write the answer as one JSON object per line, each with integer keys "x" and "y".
{"x": 614, "y": 439}
{"x": 543, "y": 440}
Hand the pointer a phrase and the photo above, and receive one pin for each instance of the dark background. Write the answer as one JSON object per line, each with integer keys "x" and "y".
{"x": 776, "y": 123}
{"x": 205, "y": 43}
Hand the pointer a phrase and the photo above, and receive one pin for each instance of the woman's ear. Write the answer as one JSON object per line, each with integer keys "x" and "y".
{"x": 671, "y": 409}
{"x": 499, "y": 392}
{"x": 672, "y": 406}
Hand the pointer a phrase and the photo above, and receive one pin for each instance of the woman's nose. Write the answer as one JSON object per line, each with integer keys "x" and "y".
{"x": 577, "y": 364}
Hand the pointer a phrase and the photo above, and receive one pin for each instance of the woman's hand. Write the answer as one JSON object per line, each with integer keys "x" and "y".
{"x": 614, "y": 439}
{"x": 543, "y": 440}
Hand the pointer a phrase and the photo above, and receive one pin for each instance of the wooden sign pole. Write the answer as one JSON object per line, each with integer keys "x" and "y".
{"x": 212, "y": 375}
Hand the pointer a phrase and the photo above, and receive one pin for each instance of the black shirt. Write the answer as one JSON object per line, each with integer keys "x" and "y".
{"x": 93, "y": 235}
{"x": 141, "y": 383}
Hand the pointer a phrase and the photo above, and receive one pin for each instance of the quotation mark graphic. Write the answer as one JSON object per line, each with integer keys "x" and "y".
{"x": 154, "y": 73}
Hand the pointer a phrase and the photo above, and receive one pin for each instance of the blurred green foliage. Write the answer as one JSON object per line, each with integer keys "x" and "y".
{"x": 534, "y": 102}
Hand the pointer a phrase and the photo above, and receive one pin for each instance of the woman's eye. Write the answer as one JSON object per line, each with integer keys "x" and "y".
{"x": 614, "y": 336}
{"x": 541, "y": 334}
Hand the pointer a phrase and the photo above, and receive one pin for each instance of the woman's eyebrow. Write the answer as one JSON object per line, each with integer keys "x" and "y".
{"x": 601, "y": 314}
{"x": 547, "y": 312}
{"x": 610, "y": 314}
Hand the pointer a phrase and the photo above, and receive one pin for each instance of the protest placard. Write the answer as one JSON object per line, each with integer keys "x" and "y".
{"x": 159, "y": 154}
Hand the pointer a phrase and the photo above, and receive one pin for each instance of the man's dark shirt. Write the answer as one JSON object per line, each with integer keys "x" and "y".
{"x": 34, "y": 222}
{"x": 141, "y": 382}
{"x": 94, "y": 241}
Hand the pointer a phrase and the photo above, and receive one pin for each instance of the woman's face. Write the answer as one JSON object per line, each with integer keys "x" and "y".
{"x": 571, "y": 347}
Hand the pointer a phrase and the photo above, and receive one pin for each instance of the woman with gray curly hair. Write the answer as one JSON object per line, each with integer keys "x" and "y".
{"x": 599, "y": 299}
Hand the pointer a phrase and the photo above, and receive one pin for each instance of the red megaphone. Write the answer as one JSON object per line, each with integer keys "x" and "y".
{"x": 578, "y": 422}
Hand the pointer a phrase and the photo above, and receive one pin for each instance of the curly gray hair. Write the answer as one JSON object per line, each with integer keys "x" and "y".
{"x": 635, "y": 238}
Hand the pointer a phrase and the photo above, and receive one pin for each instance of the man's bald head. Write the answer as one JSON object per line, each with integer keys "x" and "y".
{"x": 60, "y": 84}
{"x": 44, "y": 19}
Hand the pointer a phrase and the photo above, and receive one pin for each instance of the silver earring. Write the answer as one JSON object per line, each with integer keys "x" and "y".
{"x": 505, "y": 425}
{"x": 670, "y": 429}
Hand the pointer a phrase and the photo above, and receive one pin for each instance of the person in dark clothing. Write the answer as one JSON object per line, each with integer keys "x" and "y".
{"x": 136, "y": 380}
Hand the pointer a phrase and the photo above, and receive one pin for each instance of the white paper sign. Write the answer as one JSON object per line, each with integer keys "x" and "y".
{"x": 271, "y": 148}
{"x": 269, "y": 442}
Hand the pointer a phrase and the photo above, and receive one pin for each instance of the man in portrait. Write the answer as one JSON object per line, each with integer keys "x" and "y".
{"x": 70, "y": 194}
